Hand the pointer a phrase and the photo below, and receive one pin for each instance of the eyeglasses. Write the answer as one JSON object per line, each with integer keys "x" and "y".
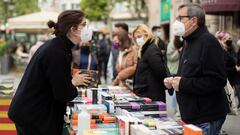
{"x": 82, "y": 25}
{"x": 181, "y": 17}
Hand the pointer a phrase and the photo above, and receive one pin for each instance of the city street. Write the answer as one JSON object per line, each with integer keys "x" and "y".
{"x": 145, "y": 46}
{"x": 231, "y": 125}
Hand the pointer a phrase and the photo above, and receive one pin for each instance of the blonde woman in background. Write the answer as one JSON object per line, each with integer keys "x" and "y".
{"x": 150, "y": 72}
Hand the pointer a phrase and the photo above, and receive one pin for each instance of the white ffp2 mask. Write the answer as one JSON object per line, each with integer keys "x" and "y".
{"x": 158, "y": 34}
{"x": 86, "y": 34}
{"x": 140, "y": 41}
{"x": 178, "y": 28}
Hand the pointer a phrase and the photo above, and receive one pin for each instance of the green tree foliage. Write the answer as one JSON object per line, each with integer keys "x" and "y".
{"x": 20, "y": 7}
{"x": 3, "y": 47}
{"x": 3, "y": 10}
{"x": 95, "y": 9}
{"x": 25, "y": 6}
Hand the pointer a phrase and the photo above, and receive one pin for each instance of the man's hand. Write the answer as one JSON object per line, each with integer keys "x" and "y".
{"x": 168, "y": 82}
{"x": 238, "y": 68}
{"x": 175, "y": 83}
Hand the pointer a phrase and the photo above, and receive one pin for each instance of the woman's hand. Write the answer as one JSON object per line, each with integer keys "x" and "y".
{"x": 115, "y": 82}
{"x": 168, "y": 82}
{"x": 81, "y": 79}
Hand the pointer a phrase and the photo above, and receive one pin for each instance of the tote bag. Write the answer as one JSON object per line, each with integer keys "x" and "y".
{"x": 231, "y": 99}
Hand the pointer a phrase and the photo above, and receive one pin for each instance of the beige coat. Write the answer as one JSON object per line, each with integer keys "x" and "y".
{"x": 128, "y": 65}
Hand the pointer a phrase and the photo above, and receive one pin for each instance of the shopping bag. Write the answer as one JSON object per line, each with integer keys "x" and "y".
{"x": 231, "y": 99}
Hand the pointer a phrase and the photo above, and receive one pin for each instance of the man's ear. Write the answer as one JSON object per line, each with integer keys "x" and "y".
{"x": 195, "y": 20}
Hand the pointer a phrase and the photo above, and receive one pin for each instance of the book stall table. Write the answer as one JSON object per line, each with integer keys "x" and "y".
{"x": 116, "y": 111}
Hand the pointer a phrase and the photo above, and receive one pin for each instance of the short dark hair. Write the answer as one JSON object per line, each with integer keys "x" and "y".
{"x": 154, "y": 28}
{"x": 66, "y": 20}
{"x": 122, "y": 25}
{"x": 196, "y": 10}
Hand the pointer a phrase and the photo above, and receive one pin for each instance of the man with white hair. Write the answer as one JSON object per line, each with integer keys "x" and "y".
{"x": 201, "y": 77}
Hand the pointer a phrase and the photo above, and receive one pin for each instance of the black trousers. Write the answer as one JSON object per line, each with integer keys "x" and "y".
{"x": 26, "y": 130}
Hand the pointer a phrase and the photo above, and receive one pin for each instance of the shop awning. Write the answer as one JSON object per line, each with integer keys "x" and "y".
{"x": 220, "y": 6}
{"x": 31, "y": 22}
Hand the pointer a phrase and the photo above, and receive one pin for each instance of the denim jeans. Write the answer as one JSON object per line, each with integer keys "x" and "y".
{"x": 212, "y": 128}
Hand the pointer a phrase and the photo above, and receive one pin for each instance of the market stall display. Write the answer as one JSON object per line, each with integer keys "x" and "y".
{"x": 118, "y": 111}
{"x": 7, "y": 127}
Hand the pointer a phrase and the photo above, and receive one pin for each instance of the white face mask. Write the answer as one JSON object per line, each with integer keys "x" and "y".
{"x": 86, "y": 34}
{"x": 238, "y": 42}
{"x": 178, "y": 28}
{"x": 140, "y": 41}
{"x": 100, "y": 37}
{"x": 158, "y": 34}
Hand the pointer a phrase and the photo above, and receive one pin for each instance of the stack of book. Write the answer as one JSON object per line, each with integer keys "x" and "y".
{"x": 6, "y": 87}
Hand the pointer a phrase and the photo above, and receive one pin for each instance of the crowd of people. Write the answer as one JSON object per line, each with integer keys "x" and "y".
{"x": 194, "y": 68}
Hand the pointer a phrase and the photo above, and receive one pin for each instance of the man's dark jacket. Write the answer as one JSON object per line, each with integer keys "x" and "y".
{"x": 201, "y": 95}
{"x": 46, "y": 87}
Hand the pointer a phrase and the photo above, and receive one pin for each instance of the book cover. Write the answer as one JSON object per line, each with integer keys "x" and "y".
{"x": 190, "y": 129}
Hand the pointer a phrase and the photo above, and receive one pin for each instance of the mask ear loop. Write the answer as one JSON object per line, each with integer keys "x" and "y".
{"x": 190, "y": 17}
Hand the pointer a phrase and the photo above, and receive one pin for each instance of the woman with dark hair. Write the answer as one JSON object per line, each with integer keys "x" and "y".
{"x": 127, "y": 58}
{"x": 39, "y": 104}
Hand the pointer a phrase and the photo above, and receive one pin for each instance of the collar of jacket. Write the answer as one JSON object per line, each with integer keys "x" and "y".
{"x": 68, "y": 43}
{"x": 145, "y": 46}
{"x": 196, "y": 33}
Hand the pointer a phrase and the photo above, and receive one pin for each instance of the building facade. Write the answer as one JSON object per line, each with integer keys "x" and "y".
{"x": 69, "y": 4}
{"x": 58, "y": 5}
{"x": 221, "y": 15}
{"x": 129, "y": 13}
{"x": 49, "y": 5}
